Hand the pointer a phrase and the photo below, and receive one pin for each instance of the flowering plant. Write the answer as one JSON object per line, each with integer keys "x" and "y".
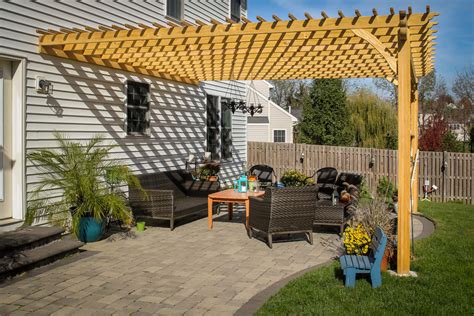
{"x": 356, "y": 240}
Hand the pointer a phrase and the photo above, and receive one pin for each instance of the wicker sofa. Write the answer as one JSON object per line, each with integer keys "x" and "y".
{"x": 170, "y": 195}
{"x": 283, "y": 210}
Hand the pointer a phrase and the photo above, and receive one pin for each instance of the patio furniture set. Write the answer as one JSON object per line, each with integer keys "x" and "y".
{"x": 176, "y": 194}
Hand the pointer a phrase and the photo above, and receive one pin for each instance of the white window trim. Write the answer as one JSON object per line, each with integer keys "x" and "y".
{"x": 18, "y": 138}
{"x": 165, "y": 13}
{"x": 279, "y": 129}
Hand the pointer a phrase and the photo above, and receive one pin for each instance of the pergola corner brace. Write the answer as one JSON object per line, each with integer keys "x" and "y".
{"x": 381, "y": 48}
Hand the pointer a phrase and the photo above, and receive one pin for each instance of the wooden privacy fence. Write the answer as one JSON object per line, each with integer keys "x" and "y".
{"x": 452, "y": 173}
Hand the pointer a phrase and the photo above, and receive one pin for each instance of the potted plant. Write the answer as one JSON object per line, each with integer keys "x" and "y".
{"x": 88, "y": 181}
{"x": 209, "y": 171}
{"x": 376, "y": 214}
{"x": 356, "y": 240}
{"x": 294, "y": 178}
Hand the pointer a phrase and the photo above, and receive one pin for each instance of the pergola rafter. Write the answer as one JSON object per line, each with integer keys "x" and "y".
{"x": 193, "y": 52}
{"x": 397, "y": 46}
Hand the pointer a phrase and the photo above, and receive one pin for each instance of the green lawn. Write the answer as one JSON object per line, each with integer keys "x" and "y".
{"x": 445, "y": 283}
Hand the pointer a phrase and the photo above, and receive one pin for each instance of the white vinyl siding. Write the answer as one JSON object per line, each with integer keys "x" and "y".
{"x": 258, "y": 132}
{"x": 88, "y": 100}
{"x": 279, "y": 119}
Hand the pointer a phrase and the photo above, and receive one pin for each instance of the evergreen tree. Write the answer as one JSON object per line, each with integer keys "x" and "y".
{"x": 326, "y": 119}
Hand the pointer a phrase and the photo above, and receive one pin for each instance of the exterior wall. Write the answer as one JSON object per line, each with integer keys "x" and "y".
{"x": 263, "y": 87}
{"x": 259, "y": 91}
{"x": 88, "y": 100}
{"x": 258, "y": 133}
{"x": 280, "y": 120}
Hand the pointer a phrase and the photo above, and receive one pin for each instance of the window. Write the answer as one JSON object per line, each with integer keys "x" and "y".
{"x": 174, "y": 9}
{"x": 279, "y": 135}
{"x": 213, "y": 127}
{"x": 226, "y": 131}
{"x": 235, "y": 10}
{"x": 138, "y": 108}
{"x": 219, "y": 129}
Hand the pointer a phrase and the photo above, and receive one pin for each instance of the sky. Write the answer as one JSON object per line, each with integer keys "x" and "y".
{"x": 455, "y": 37}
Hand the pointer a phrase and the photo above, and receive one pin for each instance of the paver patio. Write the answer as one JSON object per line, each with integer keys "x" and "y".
{"x": 190, "y": 270}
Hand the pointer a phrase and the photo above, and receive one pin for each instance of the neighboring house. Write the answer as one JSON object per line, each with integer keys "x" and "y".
{"x": 459, "y": 129}
{"x": 171, "y": 121}
{"x": 274, "y": 124}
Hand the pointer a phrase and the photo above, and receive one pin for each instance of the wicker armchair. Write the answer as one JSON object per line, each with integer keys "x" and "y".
{"x": 326, "y": 179}
{"x": 171, "y": 195}
{"x": 283, "y": 210}
{"x": 346, "y": 178}
{"x": 265, "y": 174}
{"x": 327, "y": 214}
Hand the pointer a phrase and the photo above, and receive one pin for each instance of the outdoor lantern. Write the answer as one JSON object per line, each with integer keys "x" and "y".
{"x": 243, "y": 184}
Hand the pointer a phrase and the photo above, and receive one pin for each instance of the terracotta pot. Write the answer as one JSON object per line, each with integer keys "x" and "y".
{"x": 385, "y": 260}
{"x": 212, "y": 178}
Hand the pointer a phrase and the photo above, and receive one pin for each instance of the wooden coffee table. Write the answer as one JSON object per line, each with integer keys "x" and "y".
{"x": 230, "y": 197}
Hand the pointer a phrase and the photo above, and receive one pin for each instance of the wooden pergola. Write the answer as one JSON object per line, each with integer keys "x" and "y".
{"x": 397, "y": 46}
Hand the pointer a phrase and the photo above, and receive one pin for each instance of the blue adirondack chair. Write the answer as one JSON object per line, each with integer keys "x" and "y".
{"x": 351, "y": 265}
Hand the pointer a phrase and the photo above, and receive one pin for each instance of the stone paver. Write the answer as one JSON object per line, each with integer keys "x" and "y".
{"x": 188, "y": 271}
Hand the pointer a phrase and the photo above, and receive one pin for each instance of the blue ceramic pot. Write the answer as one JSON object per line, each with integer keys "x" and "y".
{"x": 90, "y": 229}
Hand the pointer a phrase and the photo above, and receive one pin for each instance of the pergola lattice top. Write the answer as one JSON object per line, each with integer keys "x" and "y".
{"x": 343, "y": 47}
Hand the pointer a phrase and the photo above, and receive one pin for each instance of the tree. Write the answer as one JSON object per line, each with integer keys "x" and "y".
{"x": 437, "y": 111}
{"x": 426, "y": 89}
{"x": 432, "y": 134}
{"x": 389, "y": 88}
{"x": 463, "y": 87}
{"x": 451, "y": 144}
{"x": 472, "y": 139}
{"x": 373, "y": 119}
{"x": 326, "y": 118}
{"x": 288, "y": 93}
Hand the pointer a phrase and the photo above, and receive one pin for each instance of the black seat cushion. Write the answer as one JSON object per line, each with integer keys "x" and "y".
{"x": 350, "y": 178}
{"x": 188, "y": 205}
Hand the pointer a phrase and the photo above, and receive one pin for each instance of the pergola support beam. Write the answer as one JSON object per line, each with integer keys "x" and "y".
{"x": 404, "y": 142}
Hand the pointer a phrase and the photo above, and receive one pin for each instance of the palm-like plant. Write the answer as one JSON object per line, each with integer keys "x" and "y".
{"x": 82, "y": 173}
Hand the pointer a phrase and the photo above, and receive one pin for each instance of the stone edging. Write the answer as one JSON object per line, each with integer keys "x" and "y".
{"x": 260, "y": 298}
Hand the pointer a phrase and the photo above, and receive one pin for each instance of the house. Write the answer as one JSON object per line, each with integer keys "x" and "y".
{"x": 459, "y": 129}
{"x": 274, "y": 124}
{"x": 41, "y": 94}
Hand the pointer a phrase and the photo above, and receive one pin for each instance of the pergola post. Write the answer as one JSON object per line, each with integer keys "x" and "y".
{"x": 404, "y": 142}
{"x": 414, "y": 145}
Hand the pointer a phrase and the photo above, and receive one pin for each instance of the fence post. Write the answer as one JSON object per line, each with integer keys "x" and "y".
{"x": 444, "y": 175}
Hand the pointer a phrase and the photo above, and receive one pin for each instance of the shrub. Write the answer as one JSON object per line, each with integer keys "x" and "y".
{"x": 376, "y": 214}
{"x": 386, "y": 189}
{"x": 209, "y": 169}
{"x": 364, "y": 190}
{"x": 294, "y": 178}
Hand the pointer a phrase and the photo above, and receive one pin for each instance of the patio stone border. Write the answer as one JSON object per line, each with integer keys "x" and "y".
{"x": 254, "y": 304}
